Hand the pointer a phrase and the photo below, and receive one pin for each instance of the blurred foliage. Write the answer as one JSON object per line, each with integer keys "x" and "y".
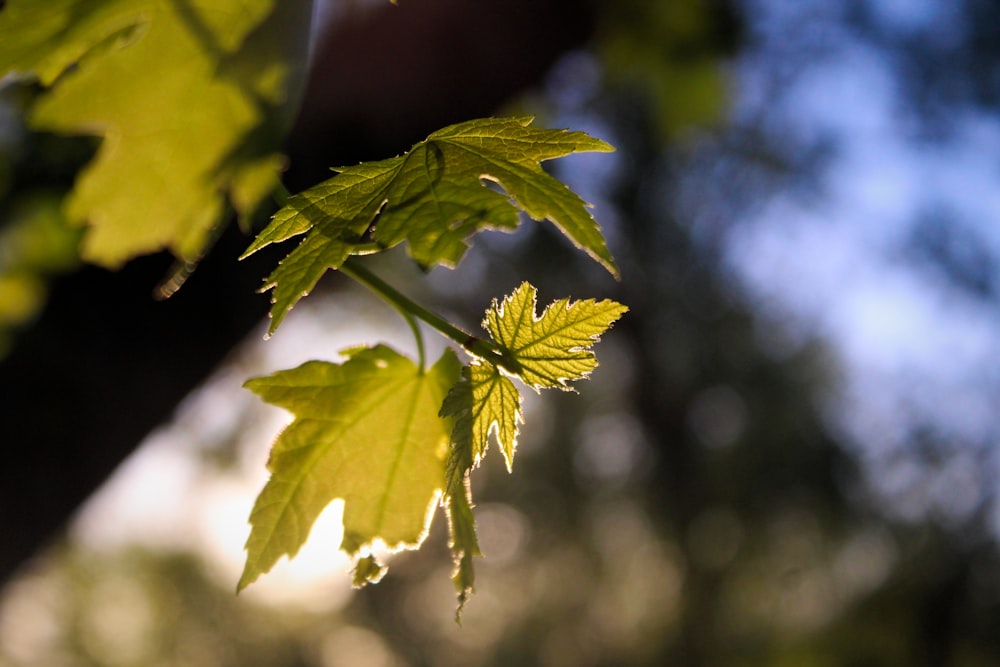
{"x": 670, "y": 51}
{"x": 36, "y": 241}
{"x": 140, "y": 608}
{"x": 157, "y": 183}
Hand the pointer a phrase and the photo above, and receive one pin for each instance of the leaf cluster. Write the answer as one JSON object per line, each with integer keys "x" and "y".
{"x": 434, "y": 198}
{"x": 389, "y": 438}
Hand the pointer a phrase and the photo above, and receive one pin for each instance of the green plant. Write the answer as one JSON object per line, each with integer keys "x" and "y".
{"x": 390, "y": 436}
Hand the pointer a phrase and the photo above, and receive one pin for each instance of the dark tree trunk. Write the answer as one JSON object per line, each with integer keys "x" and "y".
{"x": 106, "y": 363}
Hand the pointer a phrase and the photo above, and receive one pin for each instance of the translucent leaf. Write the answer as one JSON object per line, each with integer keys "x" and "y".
{"x": 482, "y": 402}
{"x": 546, "y": 351}
{"x": 357, "y": 196}
{"x": 552, "y": 349}
{"x": 464, "y": 544}
{"x": 366, "y": 431}
{"x": 435, "y": 197}
{"x": 190, "y": 99}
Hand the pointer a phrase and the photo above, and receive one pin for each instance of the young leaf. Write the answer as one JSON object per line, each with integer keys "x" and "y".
{"x": 464, "y": 543}
{"x": 366, "y": 431}
{"x": 357, "y": 197}
{"x": 552, "y": 349}
{"x": 482, "y": 402}
{"x": 546, "y": 351}
{"x": 190, "y": 105}
{"x": 509, "y": 152}
{"x": 434, "y": 198}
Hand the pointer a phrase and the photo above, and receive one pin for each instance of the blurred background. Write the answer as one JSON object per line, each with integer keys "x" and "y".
{"x": 787, "y": 457}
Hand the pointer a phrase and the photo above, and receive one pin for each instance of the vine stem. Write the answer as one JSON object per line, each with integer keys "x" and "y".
{"x": 477, "y": 347}
{"x": 409, "y": 309}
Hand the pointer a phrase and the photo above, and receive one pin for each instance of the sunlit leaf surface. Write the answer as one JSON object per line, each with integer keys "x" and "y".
{"x": 188, "y": 98}
{"x": 554, "y": 348}
{"x": 435, "y": 197}
{"x": 366, "y": 431}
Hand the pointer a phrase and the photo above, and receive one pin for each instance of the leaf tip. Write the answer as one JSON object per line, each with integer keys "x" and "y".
{"x": 612, "y": 268}
{"x": 276, "y": 316}
{"x": 367, "y": 570}
{"x": 601, "y": 146}
{"x": 248, "y": 577}
{"x": 253, "y": 384}
{"x": 462, "y": 598}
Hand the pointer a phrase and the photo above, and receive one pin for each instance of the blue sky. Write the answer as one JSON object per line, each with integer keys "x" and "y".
{"x": 835, "y": 261}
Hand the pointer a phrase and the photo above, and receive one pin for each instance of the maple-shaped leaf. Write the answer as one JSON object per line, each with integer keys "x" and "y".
{"x": 357, "y": 196}
{"x": 544, "y": 351}
{"x": 191, "y": 99}
{"x": 483, "y": 402}
{"x": 552, "y": 349}
{"x": 435, "y": 197}
{"x": 366, "y": 431}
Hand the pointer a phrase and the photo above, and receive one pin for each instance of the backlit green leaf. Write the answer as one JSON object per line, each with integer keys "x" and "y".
{"x": 190, "y": 99}
{"x": 357, "y": 196}
{"x": 464, "y": 543}
{"x": 435, "y": 197}
{"x": 554, "y": 348}
{"x": 482, "y": 402}
{"x": 545, "y": 351}
{"x": 366, "y": 431}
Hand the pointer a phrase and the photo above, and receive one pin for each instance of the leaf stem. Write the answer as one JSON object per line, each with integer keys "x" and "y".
{"x": 477, "y": 347}
{"x": 353, "y": 269}
{"x": 417, "y": 335}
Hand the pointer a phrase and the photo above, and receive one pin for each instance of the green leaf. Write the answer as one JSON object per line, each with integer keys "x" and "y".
{"x": 482, "y": 402}
{"x": 434, "y": 198}
{"x": 357, "y": 196}
{"x": 553, "y": 349}
{"x": 366, "y": 431}
{"x": 509, "y": 152}
{"x": 463, "y": 542}
{"x": 45, "y": 38}
{"x": 191, "y": 99}
{"x": 367, "y": 570}
{"x": 546, "y": 351}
